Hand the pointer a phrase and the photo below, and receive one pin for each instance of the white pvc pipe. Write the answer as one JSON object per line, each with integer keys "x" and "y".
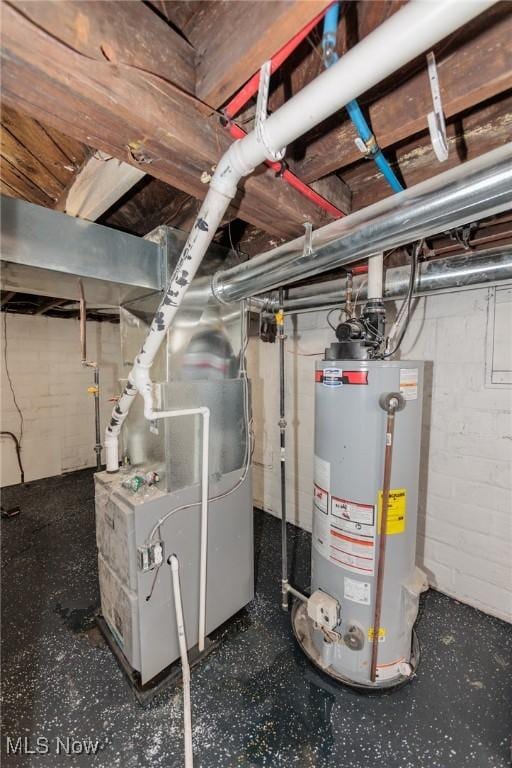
{"x": 185, "y": 668}
{"x": 205, "y": 462}
{"x": 375, "y": 276}
{"x": 408, "y": 33}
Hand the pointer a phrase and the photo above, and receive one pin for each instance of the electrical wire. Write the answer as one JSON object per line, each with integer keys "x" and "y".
{"x": 360, "y": 287}
{"x": 20, "y": 413}
{"x": 18, "y": 452}
{"x": 408, "y": 300}
{"x": 333, "y": 327}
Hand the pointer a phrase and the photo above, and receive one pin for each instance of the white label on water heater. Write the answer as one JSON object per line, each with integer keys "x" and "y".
{"x": 322, "y": 474}
{"x": 409, "y": 383}
{"x": 357, "y": 591}
{"x": 321, "y": 498}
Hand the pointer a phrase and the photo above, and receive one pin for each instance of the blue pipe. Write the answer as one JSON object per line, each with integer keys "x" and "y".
{"x": 354, "y": 110}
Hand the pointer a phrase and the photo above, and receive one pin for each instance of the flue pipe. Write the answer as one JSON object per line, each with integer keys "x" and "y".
{"x": 471, "y": 191}
{"x": 453, "y": 273}
{"x": 408, "y": 33}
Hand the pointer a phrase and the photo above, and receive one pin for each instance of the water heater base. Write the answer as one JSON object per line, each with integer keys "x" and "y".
{"x": 303, "y": 630}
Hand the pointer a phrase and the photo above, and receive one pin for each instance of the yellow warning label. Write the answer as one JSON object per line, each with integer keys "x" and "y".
{"x": 397, "y": 510}
{"x": 382, "y": 634}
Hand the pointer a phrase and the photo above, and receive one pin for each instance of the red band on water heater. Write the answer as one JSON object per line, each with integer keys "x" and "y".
{"x": 348, "y": 377}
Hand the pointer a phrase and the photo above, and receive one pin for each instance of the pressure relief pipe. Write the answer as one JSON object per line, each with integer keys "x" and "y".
{"x": 402, "y": 37}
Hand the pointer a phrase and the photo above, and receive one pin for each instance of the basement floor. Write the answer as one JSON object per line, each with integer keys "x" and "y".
{"x": 256, "y": 700}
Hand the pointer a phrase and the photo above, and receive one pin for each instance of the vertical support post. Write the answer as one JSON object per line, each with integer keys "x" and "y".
{"x": 97, "y": 447}
{"x": 95, "y": 390}
{"x": 282, "y": 456}
{"x": 390, "y": 403}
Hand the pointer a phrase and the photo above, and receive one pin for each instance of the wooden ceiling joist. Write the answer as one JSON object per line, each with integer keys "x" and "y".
{"x": 134, "y": 116}
{"x": 127, "y": 35}
{"x": 470, "y": 135}
{"x": 233, "y": 38}
{"x": 48, "y": 148}
{"x": 23, "y": 186}
{"x": 31, "y": 167}
{"x": 479, "y": 69}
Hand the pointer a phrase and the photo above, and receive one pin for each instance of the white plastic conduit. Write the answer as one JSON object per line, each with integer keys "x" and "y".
{"x": 185, "y": 668}
{"x": 205, "y": 463}
{"x": 408, "y": 33}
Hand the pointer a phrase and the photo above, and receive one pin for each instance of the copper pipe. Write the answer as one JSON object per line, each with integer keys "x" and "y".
{"x": 392, "y": 403}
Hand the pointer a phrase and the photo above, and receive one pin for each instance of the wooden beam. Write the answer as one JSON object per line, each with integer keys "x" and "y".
{"x": 335, "y": 190}
{"x": 22, "y": 159}
{"x": 234, "y": 38}
{"x": 178, "y": 13}
{"x": 153, "y": 204}
{"x": 6, "y": 298}
{"x": 135, "y": 117}
{"x": 125, "y": 33}
{"x": 477, "y": 70}
{"x": 38, "y": 141}
{"x": 23, "y": 186}
{"x": 50, "y": 304}
{"x": 469, "y": 136}
{"x": 5, "y": 189}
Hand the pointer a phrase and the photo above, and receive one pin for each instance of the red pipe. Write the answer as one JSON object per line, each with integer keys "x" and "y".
{"x": 251, "y": 86}
{"x": 291, "y": 179}
{"x": 249, "y": 90}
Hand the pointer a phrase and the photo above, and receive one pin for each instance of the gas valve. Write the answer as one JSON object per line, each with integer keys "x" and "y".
{"x": 323, "y": 610}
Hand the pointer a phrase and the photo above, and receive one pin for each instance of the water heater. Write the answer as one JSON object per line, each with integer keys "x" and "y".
{"x": 354, "y": 445}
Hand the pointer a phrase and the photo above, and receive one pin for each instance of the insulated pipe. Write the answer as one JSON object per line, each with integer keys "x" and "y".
{"x": 205, "y": 462}
{"x": 454, "y": 273}
{"x": 469, "y": 192}
{"x": 185, "y": 667}
{"x": 402, "y": 37}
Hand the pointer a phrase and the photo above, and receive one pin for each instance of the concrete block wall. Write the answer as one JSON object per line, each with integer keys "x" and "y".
{"x": 465, "y": 515}
{"x": 51, "y": 389}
